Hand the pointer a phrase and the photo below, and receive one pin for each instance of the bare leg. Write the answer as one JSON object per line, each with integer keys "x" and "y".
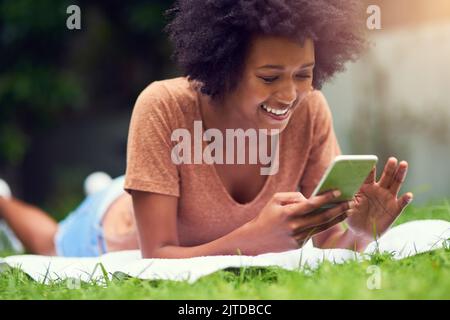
{"x": 32, "y": 226}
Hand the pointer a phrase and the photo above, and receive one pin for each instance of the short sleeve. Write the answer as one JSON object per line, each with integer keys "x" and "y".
{"x": 325, "y": 146}
{"x": 149, "y": 164}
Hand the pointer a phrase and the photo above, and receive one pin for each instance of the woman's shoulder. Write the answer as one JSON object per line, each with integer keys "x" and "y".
{"x": 169, "y": 91}
{"x": 314, "y": 108}
{"x": 171, "y": 101}
{"x": 313, "y": 118}
{"x": 317, "y": 102}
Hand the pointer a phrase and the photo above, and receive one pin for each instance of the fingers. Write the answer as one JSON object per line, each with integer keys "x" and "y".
{"x": 399, "y": 177}
{"x": 303, "y": 236}
{"x": 312, "y": 203}
{"x": 288, "y": 197}
{"x": 318, "y": 218}
{"x": 371, "y": 177}
{"x": 388, "y": 173}
{"x": 404, "y": 200}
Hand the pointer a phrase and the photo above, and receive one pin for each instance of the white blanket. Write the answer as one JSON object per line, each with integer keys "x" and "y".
{"x": 402, "y": 241}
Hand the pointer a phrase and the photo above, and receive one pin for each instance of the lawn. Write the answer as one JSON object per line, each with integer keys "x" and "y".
{"x": 424, "y": 276}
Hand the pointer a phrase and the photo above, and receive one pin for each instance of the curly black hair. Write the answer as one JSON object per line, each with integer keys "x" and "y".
{"x": 211, "y": 37}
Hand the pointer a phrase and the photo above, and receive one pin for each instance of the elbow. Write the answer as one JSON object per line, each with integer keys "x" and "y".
{"x": 153, "y": 252}
{"x": 161, "y": 252}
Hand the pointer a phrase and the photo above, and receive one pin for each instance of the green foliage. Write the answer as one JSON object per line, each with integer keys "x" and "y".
{"x": 34, "y": 90}
{"x": 147, "y": 17}
{"x": 435, "y": 210}
{"x": 48, "y": 73}
{"x": 425, "y": 276}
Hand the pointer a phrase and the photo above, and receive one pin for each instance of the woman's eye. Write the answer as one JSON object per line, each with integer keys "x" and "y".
{"x": 272, "y": 79}
{"x": 303, "y": 76}
{"x": 269, "y": 79}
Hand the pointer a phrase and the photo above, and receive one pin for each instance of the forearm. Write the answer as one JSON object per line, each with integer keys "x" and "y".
{"x": 338, "y": 237}
{"x": 233, "y": 243}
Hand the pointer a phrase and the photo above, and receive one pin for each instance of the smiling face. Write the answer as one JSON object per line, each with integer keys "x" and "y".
{"x": 277, "y": 75}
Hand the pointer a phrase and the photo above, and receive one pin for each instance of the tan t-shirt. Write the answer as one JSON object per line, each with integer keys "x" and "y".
{"x": 206, "y": 211}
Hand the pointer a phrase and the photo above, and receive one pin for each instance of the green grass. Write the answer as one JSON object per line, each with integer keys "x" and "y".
{"x": 424, "y": 276}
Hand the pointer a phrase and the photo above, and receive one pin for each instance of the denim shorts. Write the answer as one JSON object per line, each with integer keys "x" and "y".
{"x": 80, "y": 234}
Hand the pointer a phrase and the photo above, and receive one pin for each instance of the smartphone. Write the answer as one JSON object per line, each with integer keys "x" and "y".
{"x": 346, "y": 173}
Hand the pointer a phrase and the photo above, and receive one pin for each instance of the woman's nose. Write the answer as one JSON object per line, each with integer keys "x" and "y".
{"x": 287, "y": 95}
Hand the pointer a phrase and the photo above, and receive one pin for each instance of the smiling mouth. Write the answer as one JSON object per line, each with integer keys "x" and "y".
{"x": 275, "y": 112}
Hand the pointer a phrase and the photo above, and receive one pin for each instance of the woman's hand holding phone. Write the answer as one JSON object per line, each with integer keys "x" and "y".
{"x": 289, "y": 220}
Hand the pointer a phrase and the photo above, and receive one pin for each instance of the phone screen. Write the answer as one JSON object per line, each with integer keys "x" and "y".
{"x": 347, "y": 175}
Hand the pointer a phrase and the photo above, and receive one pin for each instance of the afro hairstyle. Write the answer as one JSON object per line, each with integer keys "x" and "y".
{"x": 211, "y": 37}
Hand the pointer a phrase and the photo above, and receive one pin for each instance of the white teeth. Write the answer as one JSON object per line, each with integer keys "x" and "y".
{"x": 275, "y": 111}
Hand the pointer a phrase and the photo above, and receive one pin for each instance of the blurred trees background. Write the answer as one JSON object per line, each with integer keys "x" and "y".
{"x": 66, "y": 95}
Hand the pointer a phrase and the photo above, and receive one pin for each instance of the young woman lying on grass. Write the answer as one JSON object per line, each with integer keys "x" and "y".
{"x": 248, "y": 65}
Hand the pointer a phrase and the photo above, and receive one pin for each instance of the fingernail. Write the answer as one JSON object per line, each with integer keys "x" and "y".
{"x": 336, "y": 193}
{"x": 408, "y": 201}
{"x": 351, "y": 204}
